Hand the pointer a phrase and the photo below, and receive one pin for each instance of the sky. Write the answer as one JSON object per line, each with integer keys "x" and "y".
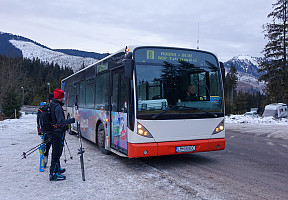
{"x": 227, "y": 28}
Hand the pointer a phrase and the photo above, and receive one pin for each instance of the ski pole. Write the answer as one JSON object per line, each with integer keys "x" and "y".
{"x": 25, "y": 154}
{"x": 65, "y": 159}
{"x": 71, "y": 157}
{"x": 30, "y": 151}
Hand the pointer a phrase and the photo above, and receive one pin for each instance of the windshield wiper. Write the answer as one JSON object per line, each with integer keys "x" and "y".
{"x": 176, "y": 106}
{"x": 169, "y": 108}
{"x": 209, "y": 113}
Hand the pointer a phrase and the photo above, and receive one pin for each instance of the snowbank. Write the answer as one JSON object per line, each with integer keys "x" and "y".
{"x": 260, "y": 126}
{"x": 239, "y": 119}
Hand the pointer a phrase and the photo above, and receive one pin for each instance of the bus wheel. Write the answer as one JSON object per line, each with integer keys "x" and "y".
{"x": 101, "y": 139}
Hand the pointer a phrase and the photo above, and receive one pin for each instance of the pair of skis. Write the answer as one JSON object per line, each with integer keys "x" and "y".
{"x": 42, "y": 151}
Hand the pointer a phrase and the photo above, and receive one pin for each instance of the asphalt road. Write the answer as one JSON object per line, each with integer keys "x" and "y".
{"x": 251, "y": 167}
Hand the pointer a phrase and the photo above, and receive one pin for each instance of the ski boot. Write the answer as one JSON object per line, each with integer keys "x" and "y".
{"x": 56, "y": 177}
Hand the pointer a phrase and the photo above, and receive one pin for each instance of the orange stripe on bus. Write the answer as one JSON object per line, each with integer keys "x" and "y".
{"x": 168, "y": 148}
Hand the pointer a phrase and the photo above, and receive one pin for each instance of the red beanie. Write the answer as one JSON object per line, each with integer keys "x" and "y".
{"x": 58, "y": 94}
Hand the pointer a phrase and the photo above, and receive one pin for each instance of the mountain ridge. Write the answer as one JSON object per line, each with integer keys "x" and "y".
{"x": 14, "y": 45}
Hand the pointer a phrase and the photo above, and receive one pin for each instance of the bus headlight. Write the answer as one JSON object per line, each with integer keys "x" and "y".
{"x": 219, "y": 128}
{"x": 141, "y": 130}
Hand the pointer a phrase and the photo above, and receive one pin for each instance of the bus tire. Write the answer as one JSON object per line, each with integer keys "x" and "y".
{"x": 101, "y": 139}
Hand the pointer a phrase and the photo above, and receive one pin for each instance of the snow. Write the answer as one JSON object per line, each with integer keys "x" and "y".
{"x": 31, "y": 50}
{"x": 248, "y": 59}
{"x": 239, "y": 119}
{"x": 107, "y": 176}
{"x": 252, "y": 80}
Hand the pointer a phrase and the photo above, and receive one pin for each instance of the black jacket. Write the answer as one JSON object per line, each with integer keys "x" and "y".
{"x": 57, "y": 116}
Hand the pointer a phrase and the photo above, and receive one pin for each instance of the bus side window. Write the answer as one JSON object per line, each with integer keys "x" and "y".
{"x": 82, "y": 95}
{"x": 102, "y": 91}
{"x": 115, "y": 92}
{"x": 124, "y": 94}
{"x": 90, "y": 93}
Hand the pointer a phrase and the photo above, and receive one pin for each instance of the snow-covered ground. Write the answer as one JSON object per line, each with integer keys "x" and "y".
{"x": 107, "y": 176}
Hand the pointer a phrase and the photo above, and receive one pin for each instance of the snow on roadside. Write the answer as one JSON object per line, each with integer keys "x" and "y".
{"x": 239, "y": 119}
{"x": 260, "y": 126}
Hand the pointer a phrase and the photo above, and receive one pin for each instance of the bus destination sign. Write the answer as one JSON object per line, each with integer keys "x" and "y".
{"x": 174, "y": 56}
{"x": 170, "y": 56}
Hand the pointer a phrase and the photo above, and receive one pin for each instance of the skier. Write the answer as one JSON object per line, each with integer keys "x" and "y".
{"x": 58, "y": 134}
{"x": 42, "y": 147}
{"x": 48, "y": 143}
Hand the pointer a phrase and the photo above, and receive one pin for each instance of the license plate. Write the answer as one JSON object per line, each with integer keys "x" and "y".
{"x": 185, "y": 149}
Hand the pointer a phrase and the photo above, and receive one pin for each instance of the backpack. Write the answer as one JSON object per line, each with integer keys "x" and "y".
{"x": 44, "y": 120}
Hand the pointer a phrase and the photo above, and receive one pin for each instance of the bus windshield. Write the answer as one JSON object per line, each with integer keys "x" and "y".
{"x": 177, "y": 84}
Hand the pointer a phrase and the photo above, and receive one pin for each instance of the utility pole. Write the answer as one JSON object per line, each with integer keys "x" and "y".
{"x": 49, "y": 87}
{"x": 198, "y": 37}
{"x": 22, "y": 95}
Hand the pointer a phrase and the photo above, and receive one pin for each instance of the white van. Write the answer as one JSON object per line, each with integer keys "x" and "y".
{"x": 276, "y": 110}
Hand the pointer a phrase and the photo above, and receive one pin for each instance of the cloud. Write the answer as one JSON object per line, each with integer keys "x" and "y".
{"x": 227, "y": 27}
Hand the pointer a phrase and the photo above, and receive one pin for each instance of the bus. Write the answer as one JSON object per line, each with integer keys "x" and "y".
{"x": 134, "y": 102}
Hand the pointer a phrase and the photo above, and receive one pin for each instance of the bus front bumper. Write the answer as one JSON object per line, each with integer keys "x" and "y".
{"x": 136, "y": 150}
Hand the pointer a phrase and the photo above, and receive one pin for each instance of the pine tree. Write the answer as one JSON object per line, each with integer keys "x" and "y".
{"x": 241, "y": 103}
{"x": 275, "y": 66}
{"x": 230, "y": 86}
{"x": 11, "y": 101}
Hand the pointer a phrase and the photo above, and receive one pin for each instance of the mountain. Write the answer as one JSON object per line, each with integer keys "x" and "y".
{"x": 13, "y": 46}
{"x": 248, "y": 75}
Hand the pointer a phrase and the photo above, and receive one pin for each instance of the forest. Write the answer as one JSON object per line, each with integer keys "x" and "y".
{"x": 27, "y": 82}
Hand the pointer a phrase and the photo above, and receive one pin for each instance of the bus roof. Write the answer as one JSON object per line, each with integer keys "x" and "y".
{"x": 121, "y": 50}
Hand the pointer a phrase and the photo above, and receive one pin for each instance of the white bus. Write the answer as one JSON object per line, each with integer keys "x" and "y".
{"x": 136, "y": 102}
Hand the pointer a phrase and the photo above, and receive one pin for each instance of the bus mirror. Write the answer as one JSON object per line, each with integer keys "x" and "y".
{"x": 222, "y": 71}
{"x": 128, "y": 69}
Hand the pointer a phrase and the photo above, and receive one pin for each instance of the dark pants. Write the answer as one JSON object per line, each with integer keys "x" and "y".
{"x": 47, "y": 145}
{"x": 57, "y": 141}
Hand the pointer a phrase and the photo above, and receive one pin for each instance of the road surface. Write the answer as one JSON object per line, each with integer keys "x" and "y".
{"x": 252, "y": 166}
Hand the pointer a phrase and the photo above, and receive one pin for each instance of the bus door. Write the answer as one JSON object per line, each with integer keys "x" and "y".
{"x": 118, "y": 121}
